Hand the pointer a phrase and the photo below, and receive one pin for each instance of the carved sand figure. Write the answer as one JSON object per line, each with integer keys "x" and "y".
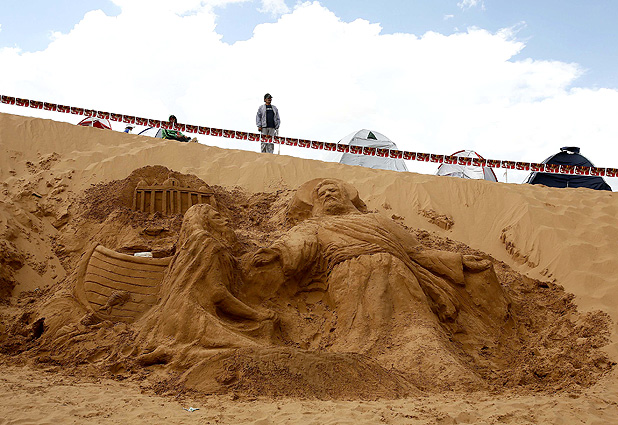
{"x": 197, "y": 307}
{"x": 393, "y": 300}
{"x": 362, "y": 309}
{"x": 384, "y": 301}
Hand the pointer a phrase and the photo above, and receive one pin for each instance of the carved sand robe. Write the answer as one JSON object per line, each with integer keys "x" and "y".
{"x": 119, "y": 287}
{"x": 393, "y": 299}
{"x": 198, "y": 307}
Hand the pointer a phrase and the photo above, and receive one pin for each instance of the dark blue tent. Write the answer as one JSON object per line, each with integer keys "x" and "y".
{"x": 568, "y": 156}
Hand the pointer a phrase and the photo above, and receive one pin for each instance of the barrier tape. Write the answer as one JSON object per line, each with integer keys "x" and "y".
{"x": 311, "y": 144}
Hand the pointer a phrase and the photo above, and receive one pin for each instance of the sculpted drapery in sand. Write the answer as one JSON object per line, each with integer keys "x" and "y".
{"x": 197, "y": 304}
{"x": 389, "y": 293}
{"x": 392, "y": 299}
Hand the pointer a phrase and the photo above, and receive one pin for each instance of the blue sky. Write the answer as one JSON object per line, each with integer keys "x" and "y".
{"x": 514, "y": 80}
{"x": 567, "y": 31}
{"x": 29, "y": 24}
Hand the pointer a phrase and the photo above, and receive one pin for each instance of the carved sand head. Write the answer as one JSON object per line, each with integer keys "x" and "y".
{"x": 218, "y": 225}
{"x": 330, "y": 197}
{"x": 206, "y": 217}
{"x": 215, "y": 221}
{"x": 305, "y": 203}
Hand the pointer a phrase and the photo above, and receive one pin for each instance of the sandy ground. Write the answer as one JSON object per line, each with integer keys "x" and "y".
{"x": 566, "y": 236}
{"x": 38, "y": 397}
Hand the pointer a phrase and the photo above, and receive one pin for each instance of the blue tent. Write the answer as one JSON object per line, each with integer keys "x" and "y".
{"x": 568, "y": 156}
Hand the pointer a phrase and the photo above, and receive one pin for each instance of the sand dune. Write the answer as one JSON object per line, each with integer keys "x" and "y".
{"x": 563, "y": 236}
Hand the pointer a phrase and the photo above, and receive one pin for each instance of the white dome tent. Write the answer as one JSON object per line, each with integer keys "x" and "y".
{"x": 467, "y": 171}
{"x": 372, "y": 139}
{"x": 151, "y": 132}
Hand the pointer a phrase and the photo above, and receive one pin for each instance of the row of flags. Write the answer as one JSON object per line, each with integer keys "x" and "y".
{"x": 311, "y": 144}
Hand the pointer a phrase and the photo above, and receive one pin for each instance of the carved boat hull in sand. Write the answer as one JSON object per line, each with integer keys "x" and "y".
{"x": 119, "y": 287}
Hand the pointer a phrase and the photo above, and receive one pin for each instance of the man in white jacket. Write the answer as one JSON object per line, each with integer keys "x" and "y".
{"x": 268, "y": 121}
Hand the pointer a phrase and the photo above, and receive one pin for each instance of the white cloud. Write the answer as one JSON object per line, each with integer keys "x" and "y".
{"x": 447, "y": 17}
{"x": 512, "y": 31}
{"x": 433, "y": 93}
{"x": 54, "y": 35}
{"x": 467, "y": 4}
{"x": 274, "y": 7}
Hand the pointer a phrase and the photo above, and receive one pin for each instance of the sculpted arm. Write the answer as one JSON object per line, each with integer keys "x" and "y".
{"x": 268, "y": 268}
{"x": 294, "y": 252}
{"x": 445, "y": 263}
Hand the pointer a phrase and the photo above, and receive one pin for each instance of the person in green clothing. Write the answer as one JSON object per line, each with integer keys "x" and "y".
{"x": 175, "y": 134}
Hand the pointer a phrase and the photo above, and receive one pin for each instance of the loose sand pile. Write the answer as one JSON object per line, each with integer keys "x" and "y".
{"x": 67, "y": 188}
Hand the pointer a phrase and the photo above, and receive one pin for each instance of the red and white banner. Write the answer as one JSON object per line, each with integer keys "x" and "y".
{"x": 309, "y": 144}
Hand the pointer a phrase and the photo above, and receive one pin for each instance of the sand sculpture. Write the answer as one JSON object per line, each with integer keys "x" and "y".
{"x": 558, "y": 365}
{"x": 392, "y": 299}
{"x": 388, "y": 298}
{"x": 337, "y": 302}
{"x": 197, "y": 306}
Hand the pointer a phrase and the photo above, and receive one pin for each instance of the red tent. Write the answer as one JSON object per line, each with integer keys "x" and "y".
{"x": 95, "y": 122}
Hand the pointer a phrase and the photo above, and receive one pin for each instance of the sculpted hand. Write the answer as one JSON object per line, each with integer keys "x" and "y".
{"x": 475, "y": 263}
{"x": 264, "y": 256}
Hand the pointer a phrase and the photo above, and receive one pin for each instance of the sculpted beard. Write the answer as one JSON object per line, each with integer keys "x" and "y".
{"x": 334, "y": 206}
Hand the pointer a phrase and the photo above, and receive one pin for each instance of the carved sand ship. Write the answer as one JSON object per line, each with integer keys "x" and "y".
{"x": 119, "y": 287}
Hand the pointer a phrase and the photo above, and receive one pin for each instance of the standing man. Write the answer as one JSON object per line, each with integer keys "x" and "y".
{"x": 268, "y": 121}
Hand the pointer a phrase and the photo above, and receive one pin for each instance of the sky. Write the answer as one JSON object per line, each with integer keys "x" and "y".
{"x": 513, "y": 80}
